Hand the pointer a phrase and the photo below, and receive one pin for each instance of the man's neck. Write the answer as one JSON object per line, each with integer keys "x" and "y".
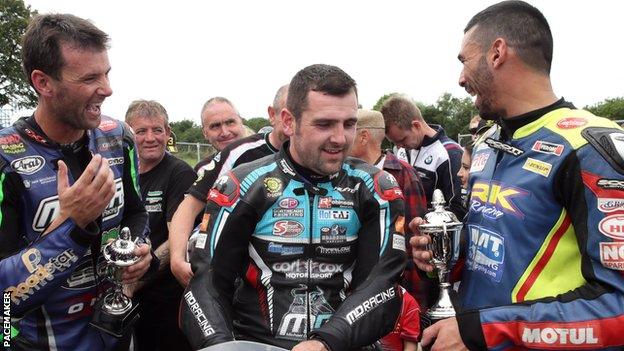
{"x": 146, "y": 166}
{"x": 372, "y": 155}
{"x": 528, "y": 92}
{"x": 55, "y": 129}
{"x": 276, "y": 143}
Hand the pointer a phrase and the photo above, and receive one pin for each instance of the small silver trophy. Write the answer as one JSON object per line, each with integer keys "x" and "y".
{"x": 116, "y": 312}
{"x": 444, "y": 229}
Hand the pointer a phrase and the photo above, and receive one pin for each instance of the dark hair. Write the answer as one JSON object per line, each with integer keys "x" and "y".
{"x": 400, "y": 111}
{"x": 326, "y": 79}
{"x": 524, "y": 28}
{"x": 41, "y": 45}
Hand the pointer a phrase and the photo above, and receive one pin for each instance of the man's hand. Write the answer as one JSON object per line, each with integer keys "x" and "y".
{"x": 181, "y": 271}
{"x": 132, "y": 273}
{"x": 310, "y": 345}
{"x": 87, "y": 198}
{"x": 421, "y": 256}
{"x": 444, "y": 335}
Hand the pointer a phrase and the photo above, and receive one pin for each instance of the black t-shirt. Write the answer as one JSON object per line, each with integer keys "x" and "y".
{"x": 162, "y": 189}
{"x": 239, "y": 152}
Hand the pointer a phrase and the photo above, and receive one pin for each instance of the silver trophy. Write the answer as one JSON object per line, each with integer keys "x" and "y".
{"x": 444, "y": 229}
{"x": 116, "y": 312}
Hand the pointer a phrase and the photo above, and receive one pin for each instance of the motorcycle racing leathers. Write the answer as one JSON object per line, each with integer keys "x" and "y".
{"x": 545, "y": 236}
{"x": 317, "y": 259}
{"x": 54, "y": 280}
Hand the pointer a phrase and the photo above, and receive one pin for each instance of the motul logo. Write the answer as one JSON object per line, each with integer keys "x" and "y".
{"x": 559, "y": 337}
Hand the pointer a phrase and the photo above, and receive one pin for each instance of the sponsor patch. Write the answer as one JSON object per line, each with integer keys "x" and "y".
{"x": 495, "y": 200}
{"x": 561, "y": 335}
{"x": 287, "y": 212}
{"x": 287, "y": 229}
{"x": 548, "y": 148}
{"x": 398, "y": 242}
{"x": 615, "y": 184}
{"x": 612, "y": 255}
{"x": 335, "y": 234}
{"x": 486, "y": 253}
{"x": 286, "y": 168}
{"x": 478, "y": 162}
{"x": 304, "y": 268}
{"x": 12, "y": 144}
{"x": 115, "y": 161}
{"x": 28, "y": 165}
{"x": 273, "y": 186}
{"x": 284, "y": 250}
{"x": 495, "y": 144}
{"x": 610, "y": 205}
{"x": 199, "y": 314}
{"x": 325, "y": 202}
{"x": 333, "y": 250}
{"x": 348, "y": 190}
{"x": 571, "y": 123}
{"x": 36, "y": 137}
{"x": 107, "y": 125}
{"x": 203, "y": 226}
{"x": 428, "y": 160}
{"x": 201, "y": 241}
{"x": 370, "y": 304}
{"x": 108, "y": 143}
{"x": 339, "y": 215}
{"x": 612, "y": 226}
{"x": 41, "y": 274}
{"x": 537, "y": 166}
{"x": 288, "y": 202}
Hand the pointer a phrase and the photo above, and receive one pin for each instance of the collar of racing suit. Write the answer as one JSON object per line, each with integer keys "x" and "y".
{"x": 510, "y": 125}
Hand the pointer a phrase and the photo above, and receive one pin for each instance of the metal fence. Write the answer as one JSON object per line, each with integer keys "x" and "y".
{"x": 194, "y": 152}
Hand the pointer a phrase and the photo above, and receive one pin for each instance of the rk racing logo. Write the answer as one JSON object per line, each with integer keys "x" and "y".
{"x": 494, "y": 200}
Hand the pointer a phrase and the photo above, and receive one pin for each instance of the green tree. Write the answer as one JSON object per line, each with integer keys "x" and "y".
{"x": 187, "y": 131}
{"x": 610, "y": 108}
{"x": 454, "y": 114}
{"x": 256, "y": 123}
{"x": 14, "y": 87}
{"x": 381, "y": 100}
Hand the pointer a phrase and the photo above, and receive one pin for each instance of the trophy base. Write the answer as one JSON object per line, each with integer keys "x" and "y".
{"x": 115, "y": 324}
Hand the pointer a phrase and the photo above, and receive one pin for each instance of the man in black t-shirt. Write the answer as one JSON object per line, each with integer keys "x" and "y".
{"x": 164, "y": 180}
{"x": 239, "y": 152}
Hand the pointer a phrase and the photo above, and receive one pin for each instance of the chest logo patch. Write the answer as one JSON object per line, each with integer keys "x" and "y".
{"x": 537, "y": 167}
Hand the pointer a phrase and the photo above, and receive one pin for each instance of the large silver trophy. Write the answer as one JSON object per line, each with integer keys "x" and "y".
{"x": 116, "y": 313}
{"x": 444, "y": 229}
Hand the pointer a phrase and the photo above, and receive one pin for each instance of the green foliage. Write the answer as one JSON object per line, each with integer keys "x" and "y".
{"x": 381, "y": 100}
{"x": 610, "y": 108}
{"x": 14, "y": 87}
{"x": 256, "y": 123}
{"x": 188, "y": 131}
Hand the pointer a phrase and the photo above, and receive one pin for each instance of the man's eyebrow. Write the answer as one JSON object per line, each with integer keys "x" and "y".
{"x": 214, "y": 124}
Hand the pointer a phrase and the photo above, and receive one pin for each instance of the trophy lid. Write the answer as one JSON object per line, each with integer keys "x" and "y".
{"x": 440, "y": 217}
{"x": 121, "y": 251}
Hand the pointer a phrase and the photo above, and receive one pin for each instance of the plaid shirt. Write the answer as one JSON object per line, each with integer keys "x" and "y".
{"x": 415, "y": 206}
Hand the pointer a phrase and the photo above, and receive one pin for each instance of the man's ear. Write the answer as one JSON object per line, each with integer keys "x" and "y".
{"x": 42, "y": 82}
{"x": 272, "y": 116}
{"x": 497, "y": 55}
{"x": 416, "y": 124}
{"x": 365, "y": 136}
{"x": 288, "y": 122}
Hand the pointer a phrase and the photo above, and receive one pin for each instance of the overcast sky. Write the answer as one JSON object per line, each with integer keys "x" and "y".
{"x": 181, "y": 53}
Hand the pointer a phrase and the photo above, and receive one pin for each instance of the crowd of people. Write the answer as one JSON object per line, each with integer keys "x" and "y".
{"x": 306, "y": 236}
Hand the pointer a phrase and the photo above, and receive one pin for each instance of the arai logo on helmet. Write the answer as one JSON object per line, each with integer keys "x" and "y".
{"x": 28, "y": 165}
{"x": 571, "y": 122}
